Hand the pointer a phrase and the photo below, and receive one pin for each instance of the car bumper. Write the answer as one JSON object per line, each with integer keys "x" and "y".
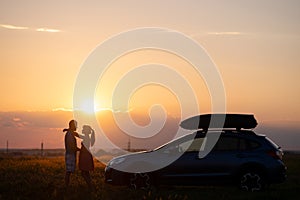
{"x": 115, "y": 177}
{"x": 277, "y": 175}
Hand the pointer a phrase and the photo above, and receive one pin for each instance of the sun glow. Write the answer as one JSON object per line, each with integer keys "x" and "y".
{"x": 88, "y": 106}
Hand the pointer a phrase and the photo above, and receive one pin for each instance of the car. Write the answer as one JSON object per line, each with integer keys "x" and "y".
{"x": 239, "y": 156}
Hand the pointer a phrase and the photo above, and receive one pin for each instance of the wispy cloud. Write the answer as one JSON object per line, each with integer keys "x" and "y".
{"x": 63, "y": 109}
{"x": 38, "y": 119}
{"x": 8, "y": 26}
{"x": 49, "y": 30}
{"x": 221, "y": 34}
{"x": 225, "y": 33}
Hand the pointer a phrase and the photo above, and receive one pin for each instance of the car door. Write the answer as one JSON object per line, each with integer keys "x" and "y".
{"x": 224, "y": 159}
{"x": 187, "y": 167}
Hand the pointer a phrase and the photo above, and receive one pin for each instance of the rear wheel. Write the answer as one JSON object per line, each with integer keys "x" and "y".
{"x": 251, "y": 181}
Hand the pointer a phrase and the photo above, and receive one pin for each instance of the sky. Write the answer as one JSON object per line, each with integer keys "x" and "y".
{"x": 254, "y": 44}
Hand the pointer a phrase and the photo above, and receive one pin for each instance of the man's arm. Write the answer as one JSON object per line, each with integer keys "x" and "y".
{"x": 78, "y": 135}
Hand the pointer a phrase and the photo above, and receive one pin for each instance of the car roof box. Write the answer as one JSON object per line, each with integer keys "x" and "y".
{"x": 220, "y": 121}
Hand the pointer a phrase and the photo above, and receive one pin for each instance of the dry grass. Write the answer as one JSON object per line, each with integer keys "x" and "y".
{"x": 43, "y": 178}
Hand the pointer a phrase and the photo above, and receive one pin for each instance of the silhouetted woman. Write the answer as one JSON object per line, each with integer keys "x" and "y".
{"x": 86, "y": 162}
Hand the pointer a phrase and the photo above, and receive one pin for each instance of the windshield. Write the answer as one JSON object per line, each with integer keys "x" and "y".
{"x": 176, "y": 141}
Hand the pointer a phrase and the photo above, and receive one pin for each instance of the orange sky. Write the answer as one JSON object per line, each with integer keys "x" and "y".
{"x": 254, "y": 44}
{"x": 43, "y": 45}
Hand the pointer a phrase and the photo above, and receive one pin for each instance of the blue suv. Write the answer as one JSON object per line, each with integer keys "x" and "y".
{"x": 240, "y": 156}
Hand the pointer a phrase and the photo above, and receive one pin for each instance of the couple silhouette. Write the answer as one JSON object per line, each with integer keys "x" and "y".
{"x": 86, "y": 163}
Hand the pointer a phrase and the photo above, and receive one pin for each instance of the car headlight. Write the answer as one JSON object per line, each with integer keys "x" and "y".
{"x": 116, "y": 161}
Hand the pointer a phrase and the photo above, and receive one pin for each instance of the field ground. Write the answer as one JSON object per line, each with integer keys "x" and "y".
{"x": 43, "y": 178}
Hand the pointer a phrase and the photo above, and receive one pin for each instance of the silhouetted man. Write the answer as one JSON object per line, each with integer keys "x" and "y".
{"x": 71, "y": 149}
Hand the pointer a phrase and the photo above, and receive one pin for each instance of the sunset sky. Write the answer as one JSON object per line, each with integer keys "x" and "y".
{"x": 43, "y": 44}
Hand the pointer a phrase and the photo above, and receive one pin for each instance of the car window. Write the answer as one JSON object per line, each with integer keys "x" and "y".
{"x": 227, "y": 144}
{"x": 196, "y": 144}
{"x": 272, "y": 143}
{"x": 191, "y": 145}
{"x": 234, "y": 144}
{"x": 253, "y": 144}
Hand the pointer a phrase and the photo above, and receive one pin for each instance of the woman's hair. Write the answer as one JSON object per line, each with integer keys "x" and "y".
{"x": 87, "y": 127}
{"x": 91, "y": 131}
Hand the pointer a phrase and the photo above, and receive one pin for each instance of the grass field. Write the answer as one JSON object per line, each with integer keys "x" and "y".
{"x": 43, "y": 178}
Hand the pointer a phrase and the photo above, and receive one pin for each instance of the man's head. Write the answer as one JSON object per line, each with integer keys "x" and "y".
{"x": 73, "y": 125}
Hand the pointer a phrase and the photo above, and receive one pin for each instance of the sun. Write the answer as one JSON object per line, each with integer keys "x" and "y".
{"x": 88, "y": 107}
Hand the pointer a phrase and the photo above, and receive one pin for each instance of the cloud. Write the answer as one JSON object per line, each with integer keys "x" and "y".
{"x": 221, "y": 34}
{"x": 225, "y": 33}
{"x": 13, "y": 27}
{"x": 48, "y": 30}
{"x": 16, "y": 119}
{"x": 8, "y": 26}
{"x": 38, "y": 119}
{"x": 63, "y": 109}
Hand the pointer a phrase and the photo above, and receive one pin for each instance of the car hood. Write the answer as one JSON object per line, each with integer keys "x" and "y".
{"x": 142, "y": 162}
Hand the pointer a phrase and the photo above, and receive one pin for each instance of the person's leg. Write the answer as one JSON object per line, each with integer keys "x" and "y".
{"x": 67, "y": 178}
{"x": 70, "y": 160}
{"x": 87, "y": 177}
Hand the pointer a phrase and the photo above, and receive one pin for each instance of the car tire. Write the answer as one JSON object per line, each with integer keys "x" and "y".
{"x": 251, "y": 180}
{"x": 140, "y": 181}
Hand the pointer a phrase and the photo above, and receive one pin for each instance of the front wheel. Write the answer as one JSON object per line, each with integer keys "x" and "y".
{"x": 140, "y": 181}
{"x": 251, "y": 181}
